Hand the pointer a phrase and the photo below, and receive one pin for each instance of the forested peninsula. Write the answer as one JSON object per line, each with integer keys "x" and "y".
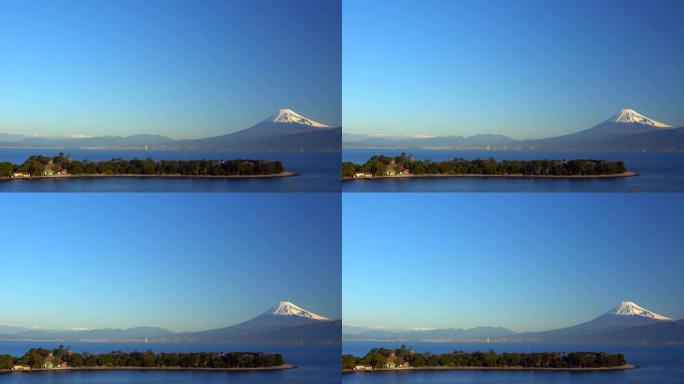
{"x": 61, "y": 358}
{"x": 405, "y": 166}
{"x": 403, "y": 358}
{"x": 64, "y": 166}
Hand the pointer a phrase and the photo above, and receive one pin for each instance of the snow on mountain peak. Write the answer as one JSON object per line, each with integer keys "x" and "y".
{"x": 629, "y": 308}
{"x": 287, "y": 308}
{"x": 628, "y": 115}
{"x": 286, "y": 115}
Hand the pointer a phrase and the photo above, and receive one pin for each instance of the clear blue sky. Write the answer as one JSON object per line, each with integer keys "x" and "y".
{"x": 181, "y": 261}
{"x": 529, "y": 68}
{"x": 181, "y": 68}
{"x": 522, "y": 261}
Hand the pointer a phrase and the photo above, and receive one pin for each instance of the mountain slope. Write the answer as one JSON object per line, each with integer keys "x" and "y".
{"x": 321, "y": 332}
{"x": 663, "y": 140}
{"x": 626, "y": 122}
{"x": 661, "y": 332}
{"x": 282, "y": 317}
{"x": 320, "y": 140}
{"x": 621, "y": 320}
{"x": 285, "y": 123}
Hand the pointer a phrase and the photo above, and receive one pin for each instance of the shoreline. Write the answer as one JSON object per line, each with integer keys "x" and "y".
{"x": 81, "y": 369}
{"x": 444, "y": 368}
{"x": 173, "y": 176}
{"x": 514, "y": 176}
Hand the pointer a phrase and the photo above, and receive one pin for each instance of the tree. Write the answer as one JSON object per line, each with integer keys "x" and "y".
{"x": 6, "y": 361}
{"x": 348, "y": 169}
{"x": 348, "y": 361}
{"x": 6, "y": 169}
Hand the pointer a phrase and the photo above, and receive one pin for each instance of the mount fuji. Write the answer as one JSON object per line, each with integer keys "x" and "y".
{"x": 283, "y": 323}
{"x": 608, "y": 135}
{"x": 627, "y": 322}
{"x": 284, "y": 130}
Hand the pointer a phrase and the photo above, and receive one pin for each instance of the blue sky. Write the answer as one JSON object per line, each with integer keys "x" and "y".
{"x": 185, "y": 262}
{"x": 522, "y": 261}
{"x": 529, "y": 68}
{"x": 180, "y": 68}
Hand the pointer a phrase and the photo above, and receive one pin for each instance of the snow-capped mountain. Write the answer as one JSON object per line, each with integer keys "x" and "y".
{"x": 629, "y": 116}
{"x": 629, "y": 308}
{"x": 287, "y": 308}
{"x": 625, "y": 130}
{"x": 627, "y": 314}
{"x": 627, "y": 322}
{"x": 286, "y": 115}
{"x": 284, "y": 322}
{"x": 284, "y": 130}
{"x": 282, "y": 123}
{"x": 625, "y": 122}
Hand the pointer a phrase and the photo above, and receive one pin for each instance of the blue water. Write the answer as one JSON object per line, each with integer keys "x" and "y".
{"x": 662, "y": 364}
{"x": 315, "y": 364}
{"x": 317, "y": 172}
{"x": 658, "y": 172}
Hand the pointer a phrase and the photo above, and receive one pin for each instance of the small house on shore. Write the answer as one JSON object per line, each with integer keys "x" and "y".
{"x": 362, "y": 174}
{"x": 20, "y": 175}
{"x": 50, "y": 169}
{"x": 19, "y": 367}
{"x": 363, "y": 368}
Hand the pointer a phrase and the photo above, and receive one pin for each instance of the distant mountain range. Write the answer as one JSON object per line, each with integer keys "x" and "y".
{"x": 626, "y": 323}
{"x": 285, "y": 323}
{"x": 285, "y": 130}
{"x": 627, "y": 130}
{"x": 447, "y": 334}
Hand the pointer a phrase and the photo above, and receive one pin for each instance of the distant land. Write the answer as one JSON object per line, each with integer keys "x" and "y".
{"x": 285, "y": 131}
{"x": 285, "y": 323}
{"x": 626, "y": 323}
{"x": 627, "y": 131}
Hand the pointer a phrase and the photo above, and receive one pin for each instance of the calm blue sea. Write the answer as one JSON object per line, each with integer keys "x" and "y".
{"x": 317, "y": 172}
{"x": 315, "y": 364}
{"x": 661, "y": 364}
{"x": 658, "y": 172}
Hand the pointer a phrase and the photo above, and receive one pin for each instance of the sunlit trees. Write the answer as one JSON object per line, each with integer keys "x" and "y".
{"x": 377, "y": 357}
{"x": 377, "y": 165}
